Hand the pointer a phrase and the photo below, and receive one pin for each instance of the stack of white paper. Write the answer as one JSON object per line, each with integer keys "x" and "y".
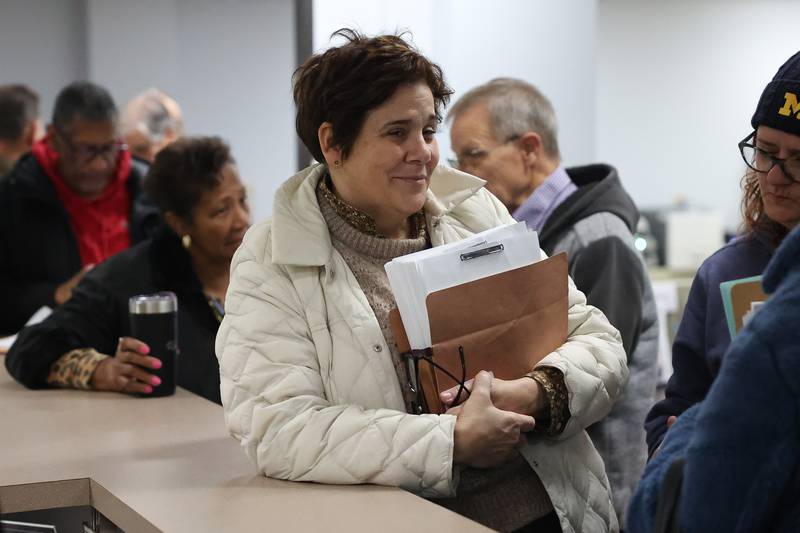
{"x": 413, "y": 277}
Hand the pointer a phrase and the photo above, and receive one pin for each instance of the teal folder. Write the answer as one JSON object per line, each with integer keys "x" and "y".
{"x": 737, "y": 295}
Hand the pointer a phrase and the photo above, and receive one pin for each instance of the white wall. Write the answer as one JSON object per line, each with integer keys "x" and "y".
{"x": 550, "y": 44}
{"x": 43, "y": 44}
{"x": 228, "y": 64}
{"x": 141, "y": 52}
{"x": 677, "y": 84}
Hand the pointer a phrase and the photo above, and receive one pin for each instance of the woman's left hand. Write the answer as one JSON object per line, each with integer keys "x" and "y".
{"x": 524, "y": 396}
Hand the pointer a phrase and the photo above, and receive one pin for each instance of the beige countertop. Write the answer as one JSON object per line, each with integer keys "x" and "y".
{"x": 168, "y": 464}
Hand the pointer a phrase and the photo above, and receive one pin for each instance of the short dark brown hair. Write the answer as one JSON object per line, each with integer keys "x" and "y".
{"x": 344, "y": 83}
{"x": 86, "y": 100}
{"x": 185, "y": 169}
{"x": 19, "y": 106}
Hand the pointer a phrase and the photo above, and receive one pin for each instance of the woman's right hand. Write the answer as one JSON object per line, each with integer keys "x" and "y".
{"x": 125, "y": 372}
{"x": 486, "y": 436}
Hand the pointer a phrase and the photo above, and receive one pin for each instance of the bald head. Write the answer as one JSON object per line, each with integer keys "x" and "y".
{"x": 151, "y": 121}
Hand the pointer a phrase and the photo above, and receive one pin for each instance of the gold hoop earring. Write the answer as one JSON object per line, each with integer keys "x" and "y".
{"x": 337, "y": 163}
{"x": 186, "y": 241}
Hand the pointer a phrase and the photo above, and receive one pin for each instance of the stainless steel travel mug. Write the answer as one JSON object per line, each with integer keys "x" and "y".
{"x": 154, "y": 321}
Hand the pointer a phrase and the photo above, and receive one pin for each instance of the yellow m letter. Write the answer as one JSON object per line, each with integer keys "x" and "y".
{"x": 791, "y": 106}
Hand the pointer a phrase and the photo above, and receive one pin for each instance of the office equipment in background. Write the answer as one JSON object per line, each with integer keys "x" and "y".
{"x": 692, "y": 236}
{"x": 680, "y": 239}
{"x": 665, "y": 294}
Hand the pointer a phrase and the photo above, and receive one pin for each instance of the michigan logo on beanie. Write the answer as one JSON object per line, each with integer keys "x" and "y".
{"x": 779, "y": 105}
{"x": 790, "y": 106}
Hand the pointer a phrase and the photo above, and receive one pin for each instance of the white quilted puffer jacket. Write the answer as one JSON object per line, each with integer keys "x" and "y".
{"x": 308, "y": 384}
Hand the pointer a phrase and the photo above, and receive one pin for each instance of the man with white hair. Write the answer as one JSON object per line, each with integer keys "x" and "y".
{"x": 505, "y": 132}
{"x": 151, "y": 121}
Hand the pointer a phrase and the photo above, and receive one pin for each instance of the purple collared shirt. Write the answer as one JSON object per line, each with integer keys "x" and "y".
{"x": 550, "y": 194}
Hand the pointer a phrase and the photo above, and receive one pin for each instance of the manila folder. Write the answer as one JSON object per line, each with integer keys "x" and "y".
{"x": 505, "y": 323}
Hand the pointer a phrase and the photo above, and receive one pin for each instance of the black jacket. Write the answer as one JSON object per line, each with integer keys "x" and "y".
{"x": 97, "y": 316}
{"x": 605, "y": 266}
{"x": 38, "y": 248}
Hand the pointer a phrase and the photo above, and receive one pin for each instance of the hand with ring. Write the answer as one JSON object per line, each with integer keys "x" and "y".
{"x": 127, "y": 370}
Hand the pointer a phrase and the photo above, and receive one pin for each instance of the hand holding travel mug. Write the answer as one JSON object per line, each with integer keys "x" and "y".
{"x": 154, "y": 321}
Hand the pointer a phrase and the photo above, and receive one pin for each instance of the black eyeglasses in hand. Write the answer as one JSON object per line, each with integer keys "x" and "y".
{"x": 413, "y": 358}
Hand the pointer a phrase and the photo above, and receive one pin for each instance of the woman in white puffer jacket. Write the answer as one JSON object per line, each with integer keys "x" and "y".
{"x": 312, "y": 384}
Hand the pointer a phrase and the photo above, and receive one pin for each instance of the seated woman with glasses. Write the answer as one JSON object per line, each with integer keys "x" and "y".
{"x": 85, "y": 343}
{"x": 312, "y": 383}
{"x": 771, "y": 208}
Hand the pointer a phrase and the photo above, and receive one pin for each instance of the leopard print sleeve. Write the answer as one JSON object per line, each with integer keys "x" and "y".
{"x": 74, "y": 369}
